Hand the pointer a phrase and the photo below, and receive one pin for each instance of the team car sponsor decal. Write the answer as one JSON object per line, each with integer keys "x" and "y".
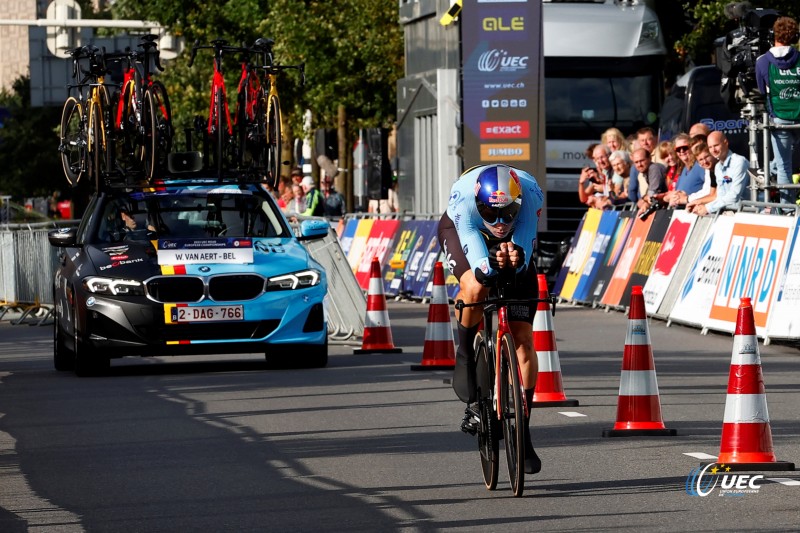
{"x": 204, "y": 251}
{"x": 267, "y": 247}
{"x": 119, "y": 263}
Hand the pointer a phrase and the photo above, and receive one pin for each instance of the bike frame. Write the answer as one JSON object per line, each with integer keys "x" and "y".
{"x": 218, "y": 82}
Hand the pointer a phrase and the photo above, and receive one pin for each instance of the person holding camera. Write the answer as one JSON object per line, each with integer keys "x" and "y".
{"x": 594, "y": 184}
{"x": 653, "y": 175}
{"x": 778, "y": 77}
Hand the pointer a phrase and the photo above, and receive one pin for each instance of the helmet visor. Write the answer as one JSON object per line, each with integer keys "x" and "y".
{"x": 495, "y": 215}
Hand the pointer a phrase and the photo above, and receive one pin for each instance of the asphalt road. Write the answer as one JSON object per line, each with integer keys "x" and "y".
{"x": 226, "y": 444}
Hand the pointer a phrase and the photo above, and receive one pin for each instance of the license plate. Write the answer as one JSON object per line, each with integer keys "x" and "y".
{"x": 215, "y": 313}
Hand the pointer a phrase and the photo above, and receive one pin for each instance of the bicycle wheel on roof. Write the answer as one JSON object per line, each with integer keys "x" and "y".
{"x": 273, "y": 139}
{"x": 73, "y": 142}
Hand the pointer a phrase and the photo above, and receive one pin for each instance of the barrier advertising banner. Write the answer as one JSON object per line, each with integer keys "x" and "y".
{"x": 604, "y": 233}
{"x": 378, "y": 244}
{"x": 666, "y": 263}
{"x": 784, "y": 320}
{"x": 394, "y": 268}
{"x": 652, "y": 245}
{"x": 630, "y": 254}
{"x": 752, "y": 267}
{"x": 346, "y": 238}
{"x": 697, "y": 294}
{"x": 562, "y": 274}
{"x": 581, "y": 252}
{"x": 359, "y": 243}
{"x": 425, "y": 236}
{"x": 613, "y": 252}
{"x": 428, "y": 259}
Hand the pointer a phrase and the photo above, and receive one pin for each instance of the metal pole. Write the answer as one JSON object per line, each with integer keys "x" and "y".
{"x": 83, "y": 23}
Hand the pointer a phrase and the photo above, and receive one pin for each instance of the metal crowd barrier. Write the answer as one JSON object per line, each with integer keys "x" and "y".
{"x": 27, "y": 263}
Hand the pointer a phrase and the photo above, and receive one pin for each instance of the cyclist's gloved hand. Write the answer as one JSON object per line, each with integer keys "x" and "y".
{"x": 517, "y": 256}
{"x": 493, "y": 262}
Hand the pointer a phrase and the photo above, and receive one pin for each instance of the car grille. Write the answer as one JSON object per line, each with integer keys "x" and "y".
{"x": 175, "y": 289}
{"x": 235, "y": 287}
{"x": 221, "y": 288}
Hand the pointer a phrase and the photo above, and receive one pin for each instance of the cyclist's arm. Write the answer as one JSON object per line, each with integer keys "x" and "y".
{"x": 527, "y": 226}
{"x": 463, "y": 215}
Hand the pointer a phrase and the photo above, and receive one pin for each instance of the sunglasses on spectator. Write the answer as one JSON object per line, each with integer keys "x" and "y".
{"x": 680, "y": 149}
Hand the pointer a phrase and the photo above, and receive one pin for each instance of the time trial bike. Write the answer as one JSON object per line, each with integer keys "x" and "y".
{"x": 500, "y": 409}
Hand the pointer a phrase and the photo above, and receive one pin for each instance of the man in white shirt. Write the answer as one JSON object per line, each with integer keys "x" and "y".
{"x": 731, "y": 173}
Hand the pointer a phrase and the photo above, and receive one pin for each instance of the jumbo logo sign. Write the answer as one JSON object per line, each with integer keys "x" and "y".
{"x": 752, "y": 269}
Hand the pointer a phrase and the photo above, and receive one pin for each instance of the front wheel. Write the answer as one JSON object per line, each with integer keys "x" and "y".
{"x": 274, "y": 139}
{"x": 513, "y": 413}
{"x": 73, "y": 141}
{"x": 88, "y": 361}
{"x": 488, "y": 432}
{"x": 63, "y": 357}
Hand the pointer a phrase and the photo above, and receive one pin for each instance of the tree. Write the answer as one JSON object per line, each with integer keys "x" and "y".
{"x": 28, "y": 145}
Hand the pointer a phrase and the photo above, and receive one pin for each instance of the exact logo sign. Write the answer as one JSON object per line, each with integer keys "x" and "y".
{"x": 704, "y": 479}
{"x": 505, "y": 130}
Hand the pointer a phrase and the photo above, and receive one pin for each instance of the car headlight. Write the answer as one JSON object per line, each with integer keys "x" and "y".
{"x": 116, "y": 287}
{"x": 295, "y": 280}
{"x": 650, "y": 32}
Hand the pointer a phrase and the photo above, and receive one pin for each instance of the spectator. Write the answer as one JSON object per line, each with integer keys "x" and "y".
{"x": 651, "y": 182}
{"x": 665, "y": 154}
{"x": 732, "y": 176}
{"x": 315, "y": 203}
{"x": 614, "y": 139}
{"x": 297, "y": 175}
{"x": 778, "y": 77}
{"x": 334, "y": 201}
{"x": 52, "y": 205}
{"x": 594, "y": 184}
{"x": 646, "y": 138}
{"x": 284, "y": 193}
{"x": 699, "y": 129}
{"x": 620, "y": 181}
{"x": 708, "y": 192}
{"x": 692, "y": 175}
{"x": 297, "y": 203}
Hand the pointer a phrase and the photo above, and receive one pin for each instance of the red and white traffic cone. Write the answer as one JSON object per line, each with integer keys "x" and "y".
{"x": 549, "y": 391}
{"x": 638, "y": 406}
{"x": 746, "y": 434}
{"x": 439, "y": 351}
{"x": 377, "y": 331}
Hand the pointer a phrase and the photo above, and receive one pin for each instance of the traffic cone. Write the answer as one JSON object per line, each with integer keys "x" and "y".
{"x": 377, "y": 331}
{"x": 439, "y": 351}
{"x": 746, "y": 435}
{"x": 549, "y": 390}
{"x": 638, "y": 406}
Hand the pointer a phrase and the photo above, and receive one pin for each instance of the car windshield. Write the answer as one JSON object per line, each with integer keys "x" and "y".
{"x": 189, "y": 213}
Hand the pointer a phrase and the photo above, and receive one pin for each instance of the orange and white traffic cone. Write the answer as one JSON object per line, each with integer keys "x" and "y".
{"x": 549, "y": 391}
{"x": 746, "y": 434}
{"x": 439, "y": 351}
{"x": 638, "y": 406}
{"x": 377, "y": 331}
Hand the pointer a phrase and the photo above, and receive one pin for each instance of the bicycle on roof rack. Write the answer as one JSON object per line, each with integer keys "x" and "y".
{"x": 501, "y": 406}
{"x": 143, "y": 118}
{"x": 252, "y": 142}
{"x": 86, "y": 127}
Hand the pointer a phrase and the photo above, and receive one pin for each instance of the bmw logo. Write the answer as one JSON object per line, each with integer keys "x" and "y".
{"x": 90, "y": 301}
{"x": 205, "y": 269}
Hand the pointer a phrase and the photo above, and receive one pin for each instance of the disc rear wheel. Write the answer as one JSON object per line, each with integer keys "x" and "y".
{"x": 513, "y": 413}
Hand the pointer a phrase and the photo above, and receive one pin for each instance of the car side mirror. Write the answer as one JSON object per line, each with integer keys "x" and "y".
{"x": 178, "y": 162}
{"x": 314, "y": 229}
{"x": 62, "y": 237}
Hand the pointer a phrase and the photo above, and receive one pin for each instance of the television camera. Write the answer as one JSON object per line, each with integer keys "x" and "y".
{"x": 737, "y": 52}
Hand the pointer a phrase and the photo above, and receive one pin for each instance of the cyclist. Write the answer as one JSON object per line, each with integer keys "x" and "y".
{"x": 490, "y": 226}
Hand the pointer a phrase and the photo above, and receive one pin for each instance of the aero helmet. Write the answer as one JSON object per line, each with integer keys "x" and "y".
{"x": 498, "y": 194}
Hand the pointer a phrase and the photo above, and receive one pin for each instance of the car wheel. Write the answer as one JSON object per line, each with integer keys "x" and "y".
{"x": 88, "y": 362}
{"x": 318, "y": 355}
{"x": 63, "y": 357}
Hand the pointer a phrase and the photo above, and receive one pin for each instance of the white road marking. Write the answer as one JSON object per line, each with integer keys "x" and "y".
{"x": 700, "y": 455}
{"x": 785, "y": 481}
{"x": 571, "y": 414}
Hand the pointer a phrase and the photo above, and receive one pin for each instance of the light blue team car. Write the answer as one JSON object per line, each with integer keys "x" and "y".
{"x": 198, "y": 267}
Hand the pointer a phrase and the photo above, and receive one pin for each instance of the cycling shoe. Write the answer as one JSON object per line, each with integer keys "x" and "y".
{"x": 533, "y": 465}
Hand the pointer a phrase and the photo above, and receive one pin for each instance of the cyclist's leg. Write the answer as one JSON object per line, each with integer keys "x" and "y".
{"x": 469, "y": 291}
{"x": 521, "y": 323}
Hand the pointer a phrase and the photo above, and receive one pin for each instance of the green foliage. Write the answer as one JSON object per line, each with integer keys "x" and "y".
{"x": 710, "y": 22}
{"x": 28, "y": 146}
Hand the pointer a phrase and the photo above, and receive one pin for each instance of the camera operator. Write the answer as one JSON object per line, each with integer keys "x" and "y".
{"x": 778, "y": 77}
